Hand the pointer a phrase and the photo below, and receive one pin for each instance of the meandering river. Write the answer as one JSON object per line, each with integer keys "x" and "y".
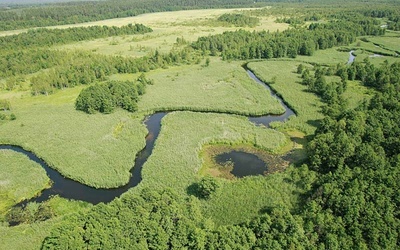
{"x": 68, "y": 188}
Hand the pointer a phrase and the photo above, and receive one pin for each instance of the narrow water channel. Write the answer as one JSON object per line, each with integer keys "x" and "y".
{"x": 68, "y": 188}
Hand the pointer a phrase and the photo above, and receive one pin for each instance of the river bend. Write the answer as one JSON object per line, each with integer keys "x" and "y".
{"x": 70, "y": 189}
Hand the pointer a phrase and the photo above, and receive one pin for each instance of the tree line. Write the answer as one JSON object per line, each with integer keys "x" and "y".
{"x": 354, "y": 203}
{"x": 244, "y": 45}
{"x": 78, "y": 12}
{"x": 239, "y": 20}
{"x": 48, "y": 37}
{"x": 88, "y": 67}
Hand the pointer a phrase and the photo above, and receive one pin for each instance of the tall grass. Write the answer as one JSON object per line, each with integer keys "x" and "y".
{"x": 175, "y": 161}
{"x": 98, "y": 150}
{"x": 221, "y": 87}
{"x": 287, "y": 84}
{"x": 20, "y": 178}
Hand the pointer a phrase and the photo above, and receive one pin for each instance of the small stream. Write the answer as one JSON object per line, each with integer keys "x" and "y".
{"x": 70, "y": 189}
{"x": 352, "y": 57}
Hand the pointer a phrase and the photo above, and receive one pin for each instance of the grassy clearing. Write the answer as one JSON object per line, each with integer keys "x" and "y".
{"x": 356, "y": 93}
{"x": 81, "y": 146}
{"x": 362, "y": 46}
{"x": 386, "y": 42}
{"x": 175, "y": 161}
{"x": 306, "y": 105}
{"x": 326, "y": 57}
{"x": 220, "y": 87}
{"x": 237, "y": 201}
{"x": 25, "y": 236}
{"x": 20, "y": 178}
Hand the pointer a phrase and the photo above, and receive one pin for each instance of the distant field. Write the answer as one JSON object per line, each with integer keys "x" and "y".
{"x": 167, "y": 19}
{"x": 167, "y": 27}
{"x": 220, "y": 87}
{"x": 20, "y": 178}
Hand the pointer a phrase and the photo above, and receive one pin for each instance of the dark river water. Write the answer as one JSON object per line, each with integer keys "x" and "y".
{"x": 68, "y": 188}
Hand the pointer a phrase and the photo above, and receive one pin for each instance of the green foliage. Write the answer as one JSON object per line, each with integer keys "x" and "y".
{"x": 245, "y": 45}
{"x": 5, "y": 105}
{"x": 105, "y": 97}
{"x": 32, "y": 212}
{"x": 239, "y": 20}
{"x": 14, "y": 186}
{"x": 207, "y": 186}
{"x": 163, "y": 220}
{"x": 78, "y": 68}
{"x": 357, "y": 153}
{"x": 48, "y": 37}
{"x": 149, "y": 220}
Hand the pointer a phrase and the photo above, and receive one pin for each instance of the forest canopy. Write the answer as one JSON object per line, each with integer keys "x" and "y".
{"x": 105, "y": 97}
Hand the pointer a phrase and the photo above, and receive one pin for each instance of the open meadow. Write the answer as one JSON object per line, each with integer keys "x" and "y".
{"x": 220, "y": 87}
{"x": 98, "y": 150}
{"x": 20, "y": 178}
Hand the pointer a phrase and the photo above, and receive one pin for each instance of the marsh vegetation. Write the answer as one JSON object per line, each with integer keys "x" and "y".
{"x": 332, "y": 168}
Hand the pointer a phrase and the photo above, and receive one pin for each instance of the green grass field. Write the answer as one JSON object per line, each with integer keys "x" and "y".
{"x": 97, "y": 150}
{"x": 20, "y": 178}
{"x": 326, "y": 57}
{"x": 387, "y": 42}
{"x": 240, "y": 200}
{"x": 356, "y": 93}
{"x": 220, "y": 87}
{"x": 306, "y": 105}
{"x": 175, "y": 159}
{"x": 175, "y": 162}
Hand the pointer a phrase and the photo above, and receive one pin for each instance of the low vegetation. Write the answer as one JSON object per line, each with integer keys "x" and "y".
{"x": 341, "y": 194}
{"x": 221, "y": 87}
{"x": 14, "y": 186}
{"x": 182, "y": 137}
{"x": 98, "y": 150}
{"x": 288, "y": 85}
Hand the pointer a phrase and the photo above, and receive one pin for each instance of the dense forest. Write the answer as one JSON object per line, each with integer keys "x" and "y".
{"x": 78, "y": 12}
{"x": 289, "y": 43}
